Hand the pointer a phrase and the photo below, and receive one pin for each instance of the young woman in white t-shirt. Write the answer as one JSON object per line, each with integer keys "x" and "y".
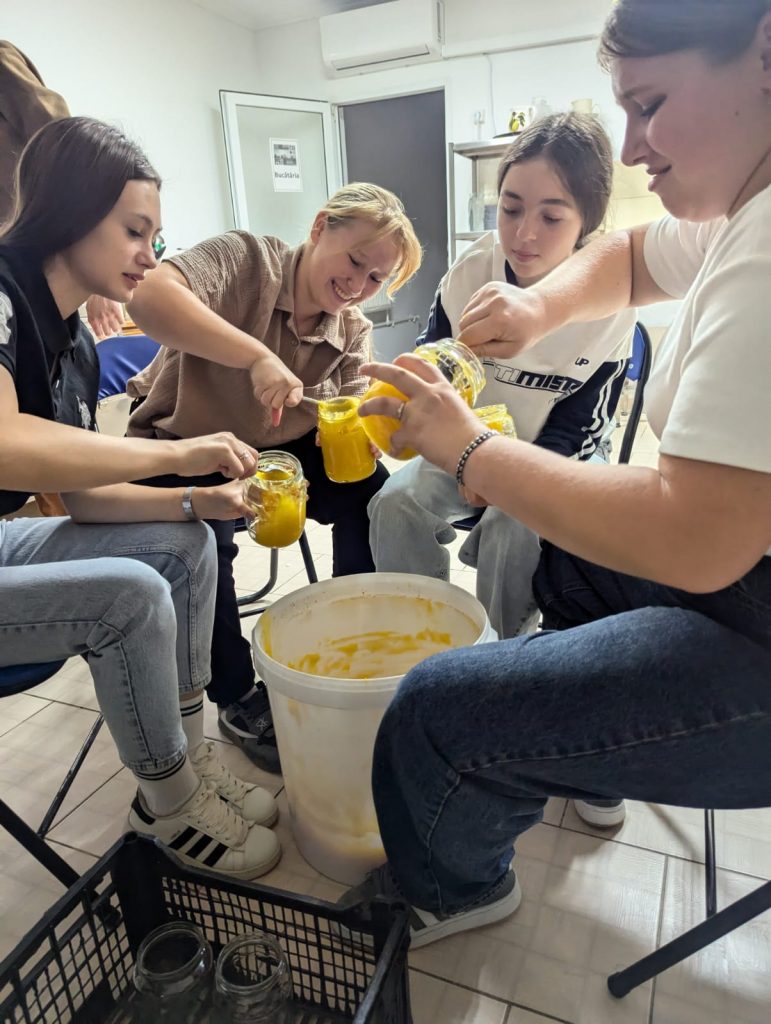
{"x": 651, "y": 680}
{"x": 554, "y": 185}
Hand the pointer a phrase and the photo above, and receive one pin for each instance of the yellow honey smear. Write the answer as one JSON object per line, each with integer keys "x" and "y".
{"x": 374, "y": 655}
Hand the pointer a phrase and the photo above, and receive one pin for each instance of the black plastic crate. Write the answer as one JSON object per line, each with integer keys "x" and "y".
{"x": 77, "y": 963}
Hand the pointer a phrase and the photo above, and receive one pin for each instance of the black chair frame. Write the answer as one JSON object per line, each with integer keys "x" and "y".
{"x": 310, "y": 571}
{"x": 33, "y": 840}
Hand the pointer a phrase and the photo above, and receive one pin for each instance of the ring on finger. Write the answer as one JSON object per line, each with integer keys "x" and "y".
{"x": 244, "y": 455}
{"x": 400, "y": 411}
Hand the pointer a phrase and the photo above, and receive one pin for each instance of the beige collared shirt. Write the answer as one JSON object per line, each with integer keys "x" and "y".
{"x": 248, "y": 281}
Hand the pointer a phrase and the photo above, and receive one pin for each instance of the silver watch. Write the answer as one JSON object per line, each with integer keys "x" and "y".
{"x": 187, "y": 504}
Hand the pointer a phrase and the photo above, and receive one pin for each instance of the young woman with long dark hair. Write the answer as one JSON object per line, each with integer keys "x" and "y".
{"x": 125, "y": 581}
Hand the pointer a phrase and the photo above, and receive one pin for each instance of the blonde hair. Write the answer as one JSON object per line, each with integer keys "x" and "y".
{"x": 361, "y": 200}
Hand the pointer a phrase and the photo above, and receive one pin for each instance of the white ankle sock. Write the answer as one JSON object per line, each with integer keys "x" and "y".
{"x": 191, "y": 710}
{"x": 166, "y": 792}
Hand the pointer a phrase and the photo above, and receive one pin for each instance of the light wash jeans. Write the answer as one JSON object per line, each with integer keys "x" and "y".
{"x": 411, "y": 522}
{"x": 137, "y": 601}
{"x": 632, "y": 690}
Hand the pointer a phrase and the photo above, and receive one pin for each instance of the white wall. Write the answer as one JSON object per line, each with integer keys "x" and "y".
{"x": 155, "y": 68}
{"x": 491, "y": 82}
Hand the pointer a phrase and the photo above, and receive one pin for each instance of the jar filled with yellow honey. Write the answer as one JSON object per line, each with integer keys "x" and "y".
{"x": 458, "y": 365}
{"x": 498, "y": 418}
{"x": 276, "y": 497}
{"x": 345, "y": 446}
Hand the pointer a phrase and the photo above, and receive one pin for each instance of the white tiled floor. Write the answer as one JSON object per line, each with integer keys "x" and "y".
{"x": 593, "y": 901}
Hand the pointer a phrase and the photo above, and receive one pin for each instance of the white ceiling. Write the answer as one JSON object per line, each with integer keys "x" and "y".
{"x": 259, "y": 14}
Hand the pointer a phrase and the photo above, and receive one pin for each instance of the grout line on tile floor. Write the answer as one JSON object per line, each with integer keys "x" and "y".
{"x": 80, "y": 804}
{"x": 490, "y": 995}
{"x": 661, "y": 853}
{"x": 529, "y": 1009}
{"x": 73, "y": 849}
{"x": 70, "y": 704}
{"x": 45, "y": 701}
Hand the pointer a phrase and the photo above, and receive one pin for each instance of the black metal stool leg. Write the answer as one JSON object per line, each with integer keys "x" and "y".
{"x": 310, "y": 567}
{"x": 69, "y": 778}
{"x": 692, "y": 941}
{"x": 272, "y": 578}
{"x": 710, "y": 863}
{"x": 33, "y": 844}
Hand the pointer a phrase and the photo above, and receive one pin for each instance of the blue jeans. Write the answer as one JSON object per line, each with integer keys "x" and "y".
{"x": 635, "y": 690}
{"x": 137, "y": 601}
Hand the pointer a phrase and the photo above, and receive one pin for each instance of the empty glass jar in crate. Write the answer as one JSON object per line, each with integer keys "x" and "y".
{"x": 172, "y": 976}
{"x": 253, "y": 982}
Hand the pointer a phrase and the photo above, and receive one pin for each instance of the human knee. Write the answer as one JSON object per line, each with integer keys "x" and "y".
{"x": 413, "y": 696}
{"x": 198, "y": 547}
{"x": 392, "y": 499}
{"x": 136, "y": 596}
{"x": 499, "y": 528}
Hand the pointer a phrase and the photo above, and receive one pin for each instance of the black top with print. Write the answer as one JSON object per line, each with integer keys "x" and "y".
{"x": 53, "y": 361}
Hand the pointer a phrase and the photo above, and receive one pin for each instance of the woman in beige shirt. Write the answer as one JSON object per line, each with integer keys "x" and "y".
{"x": 239, "y": 293}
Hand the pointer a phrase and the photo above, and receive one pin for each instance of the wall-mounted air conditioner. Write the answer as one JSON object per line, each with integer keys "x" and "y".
{"x": 385, "y": 35}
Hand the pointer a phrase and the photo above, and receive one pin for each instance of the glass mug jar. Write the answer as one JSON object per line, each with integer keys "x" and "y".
{"x": 276, "y": 496}
{"x": 253, "y": 982}
{"x": 345, "y": 447}
{"x": 498, "y": 418}
{"x": 172, "y": 975}
{"x": 458, "y": 365}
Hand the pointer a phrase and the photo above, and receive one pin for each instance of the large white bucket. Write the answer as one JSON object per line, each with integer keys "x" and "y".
{"x": 326, "y": 727}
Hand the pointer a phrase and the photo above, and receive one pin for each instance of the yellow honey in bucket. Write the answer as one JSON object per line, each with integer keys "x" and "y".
{"x": 374, "y": 655}
{"x": 332, "y": 659}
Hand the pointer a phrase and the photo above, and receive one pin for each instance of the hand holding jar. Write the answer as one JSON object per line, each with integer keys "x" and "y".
{"x": 457, "y": 365}
{"x": 432, "y": 418}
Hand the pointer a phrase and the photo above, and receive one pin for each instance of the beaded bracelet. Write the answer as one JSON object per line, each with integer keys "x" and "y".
{"x": 480, "y": 439}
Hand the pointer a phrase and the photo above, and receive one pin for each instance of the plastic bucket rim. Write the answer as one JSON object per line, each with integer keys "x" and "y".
{"x": 378, "y": 684}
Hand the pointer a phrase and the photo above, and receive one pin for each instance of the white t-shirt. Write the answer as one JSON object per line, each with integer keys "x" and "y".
{"x": 709, "y": 393}
{"x": 531, "y": 383}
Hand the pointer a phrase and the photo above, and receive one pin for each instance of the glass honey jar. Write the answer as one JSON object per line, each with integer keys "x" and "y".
{"x": 276, "y": 496}
{"x": 458, "y": 365}
{"x": 345, "y": 447}
{"x": 497, "y": 418}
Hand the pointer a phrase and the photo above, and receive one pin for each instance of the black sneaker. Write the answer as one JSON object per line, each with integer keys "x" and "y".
{"x": 249, "y": 724}
{"x": 426, "y": 927}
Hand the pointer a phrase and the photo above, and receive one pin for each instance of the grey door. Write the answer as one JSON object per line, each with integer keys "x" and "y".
{"x": 400, "y": 144}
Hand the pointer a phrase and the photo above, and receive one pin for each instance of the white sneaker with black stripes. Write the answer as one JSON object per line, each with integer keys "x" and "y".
{"x": 206, "y": 832}
{"x": 254, "y": 804}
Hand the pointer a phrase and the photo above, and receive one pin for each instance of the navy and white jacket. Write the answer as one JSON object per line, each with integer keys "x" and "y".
{"x": 562, "y": 393}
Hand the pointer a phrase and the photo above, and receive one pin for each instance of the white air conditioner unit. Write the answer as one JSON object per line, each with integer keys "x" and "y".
{"x": 385, "y": 35}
